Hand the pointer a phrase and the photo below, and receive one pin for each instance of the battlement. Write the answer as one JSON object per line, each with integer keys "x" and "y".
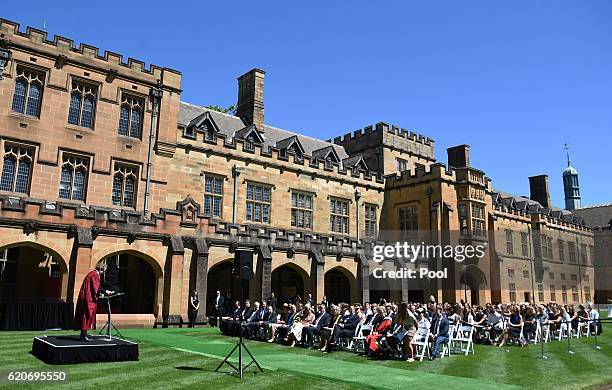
{"x": 384, "y": 127}
{"x": 436, "y": 171}
{"x": 271, "y": 155}
{"x": 66, "y": 47}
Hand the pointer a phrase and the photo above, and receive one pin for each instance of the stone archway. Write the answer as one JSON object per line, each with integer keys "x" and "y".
{"x": 290, "y": 282}
{"x": 473, "y": 281}
{"x": 339, "y": 285}
{"x": 32, "y": 273}
{"x": 138, "y": 276}
{"x": 220, "y": 278}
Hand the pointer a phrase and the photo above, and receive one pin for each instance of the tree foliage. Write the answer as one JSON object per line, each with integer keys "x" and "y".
{"x": 229, "y": 110}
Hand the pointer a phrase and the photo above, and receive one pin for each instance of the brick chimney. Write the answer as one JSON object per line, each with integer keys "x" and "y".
{"x": 251, "y": 98}
{"x": 538, "y": 188}
{"x": 459, "y": 156}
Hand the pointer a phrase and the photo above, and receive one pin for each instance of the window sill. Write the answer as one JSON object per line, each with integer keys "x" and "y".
{"x": 78, "y": 128}
{"x": 24, "y": 116}
{"x": 127, "y": 138}
{"x": 15, "y": 194}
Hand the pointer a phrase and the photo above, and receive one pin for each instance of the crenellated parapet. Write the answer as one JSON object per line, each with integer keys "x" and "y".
{"x": 390, "y": 136}
{"x": 186, "y": 221}
{"x": 272, "y": 156}
{"x": 64, "y": 50}
{"x": 436, "y": 171}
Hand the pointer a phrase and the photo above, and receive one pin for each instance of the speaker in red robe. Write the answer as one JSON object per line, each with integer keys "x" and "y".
{"x": 87, "y": 303}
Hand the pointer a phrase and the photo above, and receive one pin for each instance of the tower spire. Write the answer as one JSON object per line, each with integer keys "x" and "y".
{"x": 570, "y": 184}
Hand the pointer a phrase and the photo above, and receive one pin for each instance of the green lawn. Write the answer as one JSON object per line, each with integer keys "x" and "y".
{"x": 186, "y": 358}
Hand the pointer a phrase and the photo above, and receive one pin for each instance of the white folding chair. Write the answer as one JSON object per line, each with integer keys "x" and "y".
{"x": 563, "y": 331}
{"x": 348, "y": 343}
{"x": 421, "y": 343}
{"x": 538, "y": 333}
{"x": 464, "y": 339}
{"x": 449, "y": 345}
{"x": 359, "y": 338}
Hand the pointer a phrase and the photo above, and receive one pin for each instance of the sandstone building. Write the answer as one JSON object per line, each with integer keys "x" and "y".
{"x": 102, "y": 161}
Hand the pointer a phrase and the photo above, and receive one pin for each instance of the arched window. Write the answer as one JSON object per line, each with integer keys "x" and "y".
{"x": 28, "y": 92}
{"x": 130, "y": 117}
{"x": 75, "y": 108}
{"x": 124, "y": 185}
{"x": 82, "y": 105}
{"x": 88, "y": 112}
{"x": 73, "y": 179}
{"x": 16, "y": 169}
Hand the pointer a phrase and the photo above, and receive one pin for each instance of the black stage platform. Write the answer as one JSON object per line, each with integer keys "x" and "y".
{"x": 70, "y": 350}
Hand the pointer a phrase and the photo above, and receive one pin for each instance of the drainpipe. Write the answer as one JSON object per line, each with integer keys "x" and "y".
{"x": 156, "y": 94}
{"x": 357, "y": 197}
{"x": 235, "y": 173}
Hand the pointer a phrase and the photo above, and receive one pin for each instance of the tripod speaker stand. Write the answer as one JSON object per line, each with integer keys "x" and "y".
{"x": 243, "y": 269}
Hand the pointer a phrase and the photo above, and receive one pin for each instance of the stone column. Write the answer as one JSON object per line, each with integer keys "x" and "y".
{"x": 173, "y": 280}
{"x": 199, "y": 276}
{"x": 317, "y": 275}
{"x": 80, "y": 261}
{"x": 264, "y": 263}
{"x": 363, "y": 278}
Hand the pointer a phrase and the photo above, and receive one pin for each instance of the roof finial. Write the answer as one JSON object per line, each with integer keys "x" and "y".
{"x": 567, "y": 147}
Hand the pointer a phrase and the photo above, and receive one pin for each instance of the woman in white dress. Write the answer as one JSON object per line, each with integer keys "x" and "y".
{"x": 295, "y": 334}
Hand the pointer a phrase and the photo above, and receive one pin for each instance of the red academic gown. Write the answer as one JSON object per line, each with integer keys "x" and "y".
{"x": 85, "y": 313}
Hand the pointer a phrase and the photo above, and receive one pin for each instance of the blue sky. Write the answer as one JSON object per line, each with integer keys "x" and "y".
{"x": 515, "y": 80}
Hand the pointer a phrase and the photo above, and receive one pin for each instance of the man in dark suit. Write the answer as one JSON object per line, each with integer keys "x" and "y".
{"x": 219, "y": 308}
{"x": 310, "y": 301}
{"x": 440, "y": 334}
{"x": 346, "y": 328}
{"x": 237, "y": 311}
{"x": 245, "y": 315}
{"x": 251, "y": 321}
{"x": 272, "y": 302}
{"x": 325, "y": 302}
{"x": 323, "y": 319}
{"x": 257, "y": 320}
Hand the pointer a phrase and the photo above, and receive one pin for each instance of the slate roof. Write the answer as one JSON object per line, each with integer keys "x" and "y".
{"x": 597, "y": 215}
{"x": 229, "y": 125}
{"x": 515, "y": 202}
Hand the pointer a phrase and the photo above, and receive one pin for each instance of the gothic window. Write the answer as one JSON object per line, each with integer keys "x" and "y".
{"x": 16, "y": 169}
{"x": 402, "y": 165}
{"x": 130, "y": 116}
{"x": 28, "y": 92}
{"x": 213, "y": 195}
{"x": 408, "y": 221}
{"x": 258, "y": 203}
{"x": 82, "y": 104}
{"x": 301, "y": 210}
{"x": 478, "y": 222}
{"x": 124, "y": 185}
{"x": 339, "y": 216}
{"x": 370, "y": 221}
{"x": 524, "y": 244}
{"x": 73, "y": 179}
{"x": 509, "y": 242}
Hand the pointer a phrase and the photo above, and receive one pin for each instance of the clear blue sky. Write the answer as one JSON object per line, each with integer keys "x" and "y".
{"x": 515, "y": 80}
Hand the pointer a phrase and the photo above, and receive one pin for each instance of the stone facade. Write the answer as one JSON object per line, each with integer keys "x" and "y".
{"x": 309, "y": 210}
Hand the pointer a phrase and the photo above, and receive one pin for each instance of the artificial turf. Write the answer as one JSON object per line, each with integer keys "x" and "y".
{"x": 186, "y": 358}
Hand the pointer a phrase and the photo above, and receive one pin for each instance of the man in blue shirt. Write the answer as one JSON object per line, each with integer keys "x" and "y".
{"x": 440, "y": 335}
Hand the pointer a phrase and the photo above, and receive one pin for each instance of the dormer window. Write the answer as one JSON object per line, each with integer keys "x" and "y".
{"x": 249, "y": 142}
{"x": 296, "y": 152}
{"x": 203, "y": 123}
{"x": 290, "y": 145}
{"x": 209, "y": 133}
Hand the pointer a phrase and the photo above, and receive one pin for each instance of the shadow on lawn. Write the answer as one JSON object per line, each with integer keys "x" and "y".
{"x": 187, "y": 368}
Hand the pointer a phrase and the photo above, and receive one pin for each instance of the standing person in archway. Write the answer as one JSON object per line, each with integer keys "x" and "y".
{"x": 87, "y": 303}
